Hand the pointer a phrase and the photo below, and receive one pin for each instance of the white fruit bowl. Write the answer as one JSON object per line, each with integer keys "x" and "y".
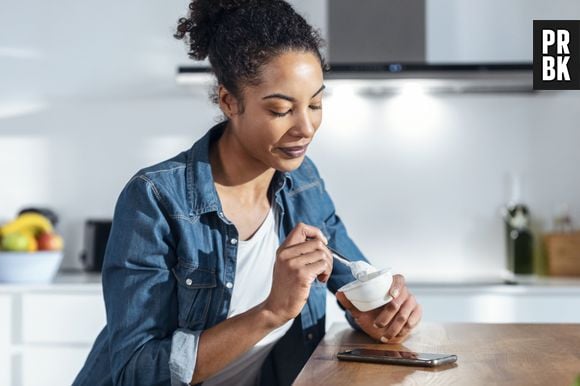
{"x": 29, "y": 267}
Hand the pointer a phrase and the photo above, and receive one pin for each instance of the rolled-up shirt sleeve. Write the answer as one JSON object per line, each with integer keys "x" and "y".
{"x": 147, "y": 347}
{"x": 183, "y": 356}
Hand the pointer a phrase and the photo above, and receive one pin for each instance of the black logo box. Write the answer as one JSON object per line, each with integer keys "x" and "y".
{"x": 573, "y": 27}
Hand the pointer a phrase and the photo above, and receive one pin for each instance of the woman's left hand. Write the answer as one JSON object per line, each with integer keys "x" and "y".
{"x": 394, "y": 321}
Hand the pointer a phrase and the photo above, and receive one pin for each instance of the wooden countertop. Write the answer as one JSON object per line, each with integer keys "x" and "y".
{"x": 488, "y": 354}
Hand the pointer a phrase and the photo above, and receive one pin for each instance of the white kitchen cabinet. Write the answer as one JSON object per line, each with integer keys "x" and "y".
{"x": 500, "y": 303}
{"x": 55, "y": 364}
{"x": 61, "y": 317}
{"x": 46, "y": 331}
{"x": 536, "y": 301}
{"x": 5, "y": 329}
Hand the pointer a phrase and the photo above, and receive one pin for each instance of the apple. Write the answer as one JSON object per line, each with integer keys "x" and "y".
{"x": 17, "y": 242}
{"x": 49, "y": 242}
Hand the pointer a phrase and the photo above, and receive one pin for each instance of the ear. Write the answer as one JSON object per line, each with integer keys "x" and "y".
{"x": 228, "y": 103}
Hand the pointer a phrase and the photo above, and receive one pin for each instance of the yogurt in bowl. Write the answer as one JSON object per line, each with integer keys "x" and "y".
{"x": 371, "y": 288}
{"x": 361, "y": 269}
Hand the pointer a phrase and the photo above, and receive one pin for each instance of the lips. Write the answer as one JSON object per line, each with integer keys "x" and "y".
{"x": 294, "y": 151}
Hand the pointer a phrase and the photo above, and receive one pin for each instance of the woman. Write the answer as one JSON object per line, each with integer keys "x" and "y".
{"x": 216, "y": 269}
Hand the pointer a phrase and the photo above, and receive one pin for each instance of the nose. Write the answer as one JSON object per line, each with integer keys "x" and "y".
{"x": 303, "y": 125}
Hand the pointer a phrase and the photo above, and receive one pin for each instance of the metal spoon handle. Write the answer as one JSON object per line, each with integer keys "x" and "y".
{"x": 339, "y": 257}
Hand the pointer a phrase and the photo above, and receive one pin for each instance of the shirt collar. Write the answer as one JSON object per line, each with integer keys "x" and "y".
{"x": 201, "y": 191}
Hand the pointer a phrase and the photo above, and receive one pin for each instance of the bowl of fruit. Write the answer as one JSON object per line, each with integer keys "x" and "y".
{"x": 30, "y": 249}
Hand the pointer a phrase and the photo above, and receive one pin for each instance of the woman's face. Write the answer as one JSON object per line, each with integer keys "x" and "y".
{"x": 282, "y": 113}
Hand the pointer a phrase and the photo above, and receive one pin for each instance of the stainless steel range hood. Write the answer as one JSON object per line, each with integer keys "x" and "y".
{"x": 378, "y": 80}
{"x": 445, "y": 46}
{"x": 394, "y": 43}
{"x": 440, "y": 78}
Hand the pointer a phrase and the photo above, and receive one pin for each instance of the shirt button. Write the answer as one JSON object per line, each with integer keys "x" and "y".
{"x": 310, "y": 336}
{"x": 188, "y": 282}
{"x": 229, "y": 284}
{"x": 234, "y": 241}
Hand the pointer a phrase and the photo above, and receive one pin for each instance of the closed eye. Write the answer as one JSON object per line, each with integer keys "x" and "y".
{"x": 283, "y": 114}
{"x": 280, "y": 115}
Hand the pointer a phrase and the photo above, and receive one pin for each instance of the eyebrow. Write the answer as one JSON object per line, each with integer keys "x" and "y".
{"x": 289, "y": 98}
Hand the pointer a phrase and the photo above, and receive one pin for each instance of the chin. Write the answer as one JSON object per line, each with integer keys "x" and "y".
{"x": 289, "y": 165}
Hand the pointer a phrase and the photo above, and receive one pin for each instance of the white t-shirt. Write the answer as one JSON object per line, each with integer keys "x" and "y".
{"x": 254, "y": 269}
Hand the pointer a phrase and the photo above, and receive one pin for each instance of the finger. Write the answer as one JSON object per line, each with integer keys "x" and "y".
{"x": 318, "y": 268}
{"x": 315, "y": 249}
{"x": 407, "y": 328}
{"x": 403, "y": 334}
{"x": 391, "y": 309}
{"x": 415, "y": 317}
{"x": 398, "y": 292}
{"x": 405, "y": 331}
{"x": 308, "y": 258}
{"x": 301, "y": 233}
{"x": 400, "y": 320}
{"x": 323, "y": 277}
{"x": 304, "y": 248}
{"x": 341, "y": 297}
{"x": 397, "y": 286}
{"x": 412, "y": 322}
{"x": 309, "y": 262}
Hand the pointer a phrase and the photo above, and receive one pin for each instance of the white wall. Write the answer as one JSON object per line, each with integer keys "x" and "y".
{"x": 555, "y": 155}
{"x": 488, "y": 30}
{"x": 76, "y": 156}
{"x": 427, "y": 176}
{"x": 88, "y": 97}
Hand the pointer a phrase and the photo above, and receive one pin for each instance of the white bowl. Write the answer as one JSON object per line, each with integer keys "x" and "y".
{"x": 371, "y": 293}
{"x": 29, "y": 267}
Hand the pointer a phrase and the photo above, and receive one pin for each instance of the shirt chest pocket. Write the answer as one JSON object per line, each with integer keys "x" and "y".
{"x": 195, "y": 286}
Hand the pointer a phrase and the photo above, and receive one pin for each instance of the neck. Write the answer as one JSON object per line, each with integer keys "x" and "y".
{"x": 235, "y": 171}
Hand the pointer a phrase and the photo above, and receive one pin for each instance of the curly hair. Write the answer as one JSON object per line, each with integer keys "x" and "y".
{"x": 240, "y": 36}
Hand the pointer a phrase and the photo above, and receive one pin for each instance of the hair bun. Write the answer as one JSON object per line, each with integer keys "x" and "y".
{"x": 205, "y": 17}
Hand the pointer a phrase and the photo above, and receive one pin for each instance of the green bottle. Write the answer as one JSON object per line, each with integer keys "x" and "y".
{"x": 519, "y": 240}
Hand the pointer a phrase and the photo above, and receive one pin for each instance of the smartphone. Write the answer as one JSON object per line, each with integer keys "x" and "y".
{"x": 407, "y": 358}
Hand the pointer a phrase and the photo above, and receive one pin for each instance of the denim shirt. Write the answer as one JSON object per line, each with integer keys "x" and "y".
{"x": 170, "y": 266}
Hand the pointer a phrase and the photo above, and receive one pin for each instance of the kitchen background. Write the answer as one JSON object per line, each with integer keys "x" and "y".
{"x": 88, "y": 96}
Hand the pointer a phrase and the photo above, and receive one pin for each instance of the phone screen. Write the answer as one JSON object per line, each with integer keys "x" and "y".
{"x": 397, "y": 357}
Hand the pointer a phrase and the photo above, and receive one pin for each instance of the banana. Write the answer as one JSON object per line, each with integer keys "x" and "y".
{"x": 28, "y": 222}
{"x": 32, "y": 243}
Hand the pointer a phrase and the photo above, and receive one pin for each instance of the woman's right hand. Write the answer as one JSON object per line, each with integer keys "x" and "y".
{"x": 300, "y": 259}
